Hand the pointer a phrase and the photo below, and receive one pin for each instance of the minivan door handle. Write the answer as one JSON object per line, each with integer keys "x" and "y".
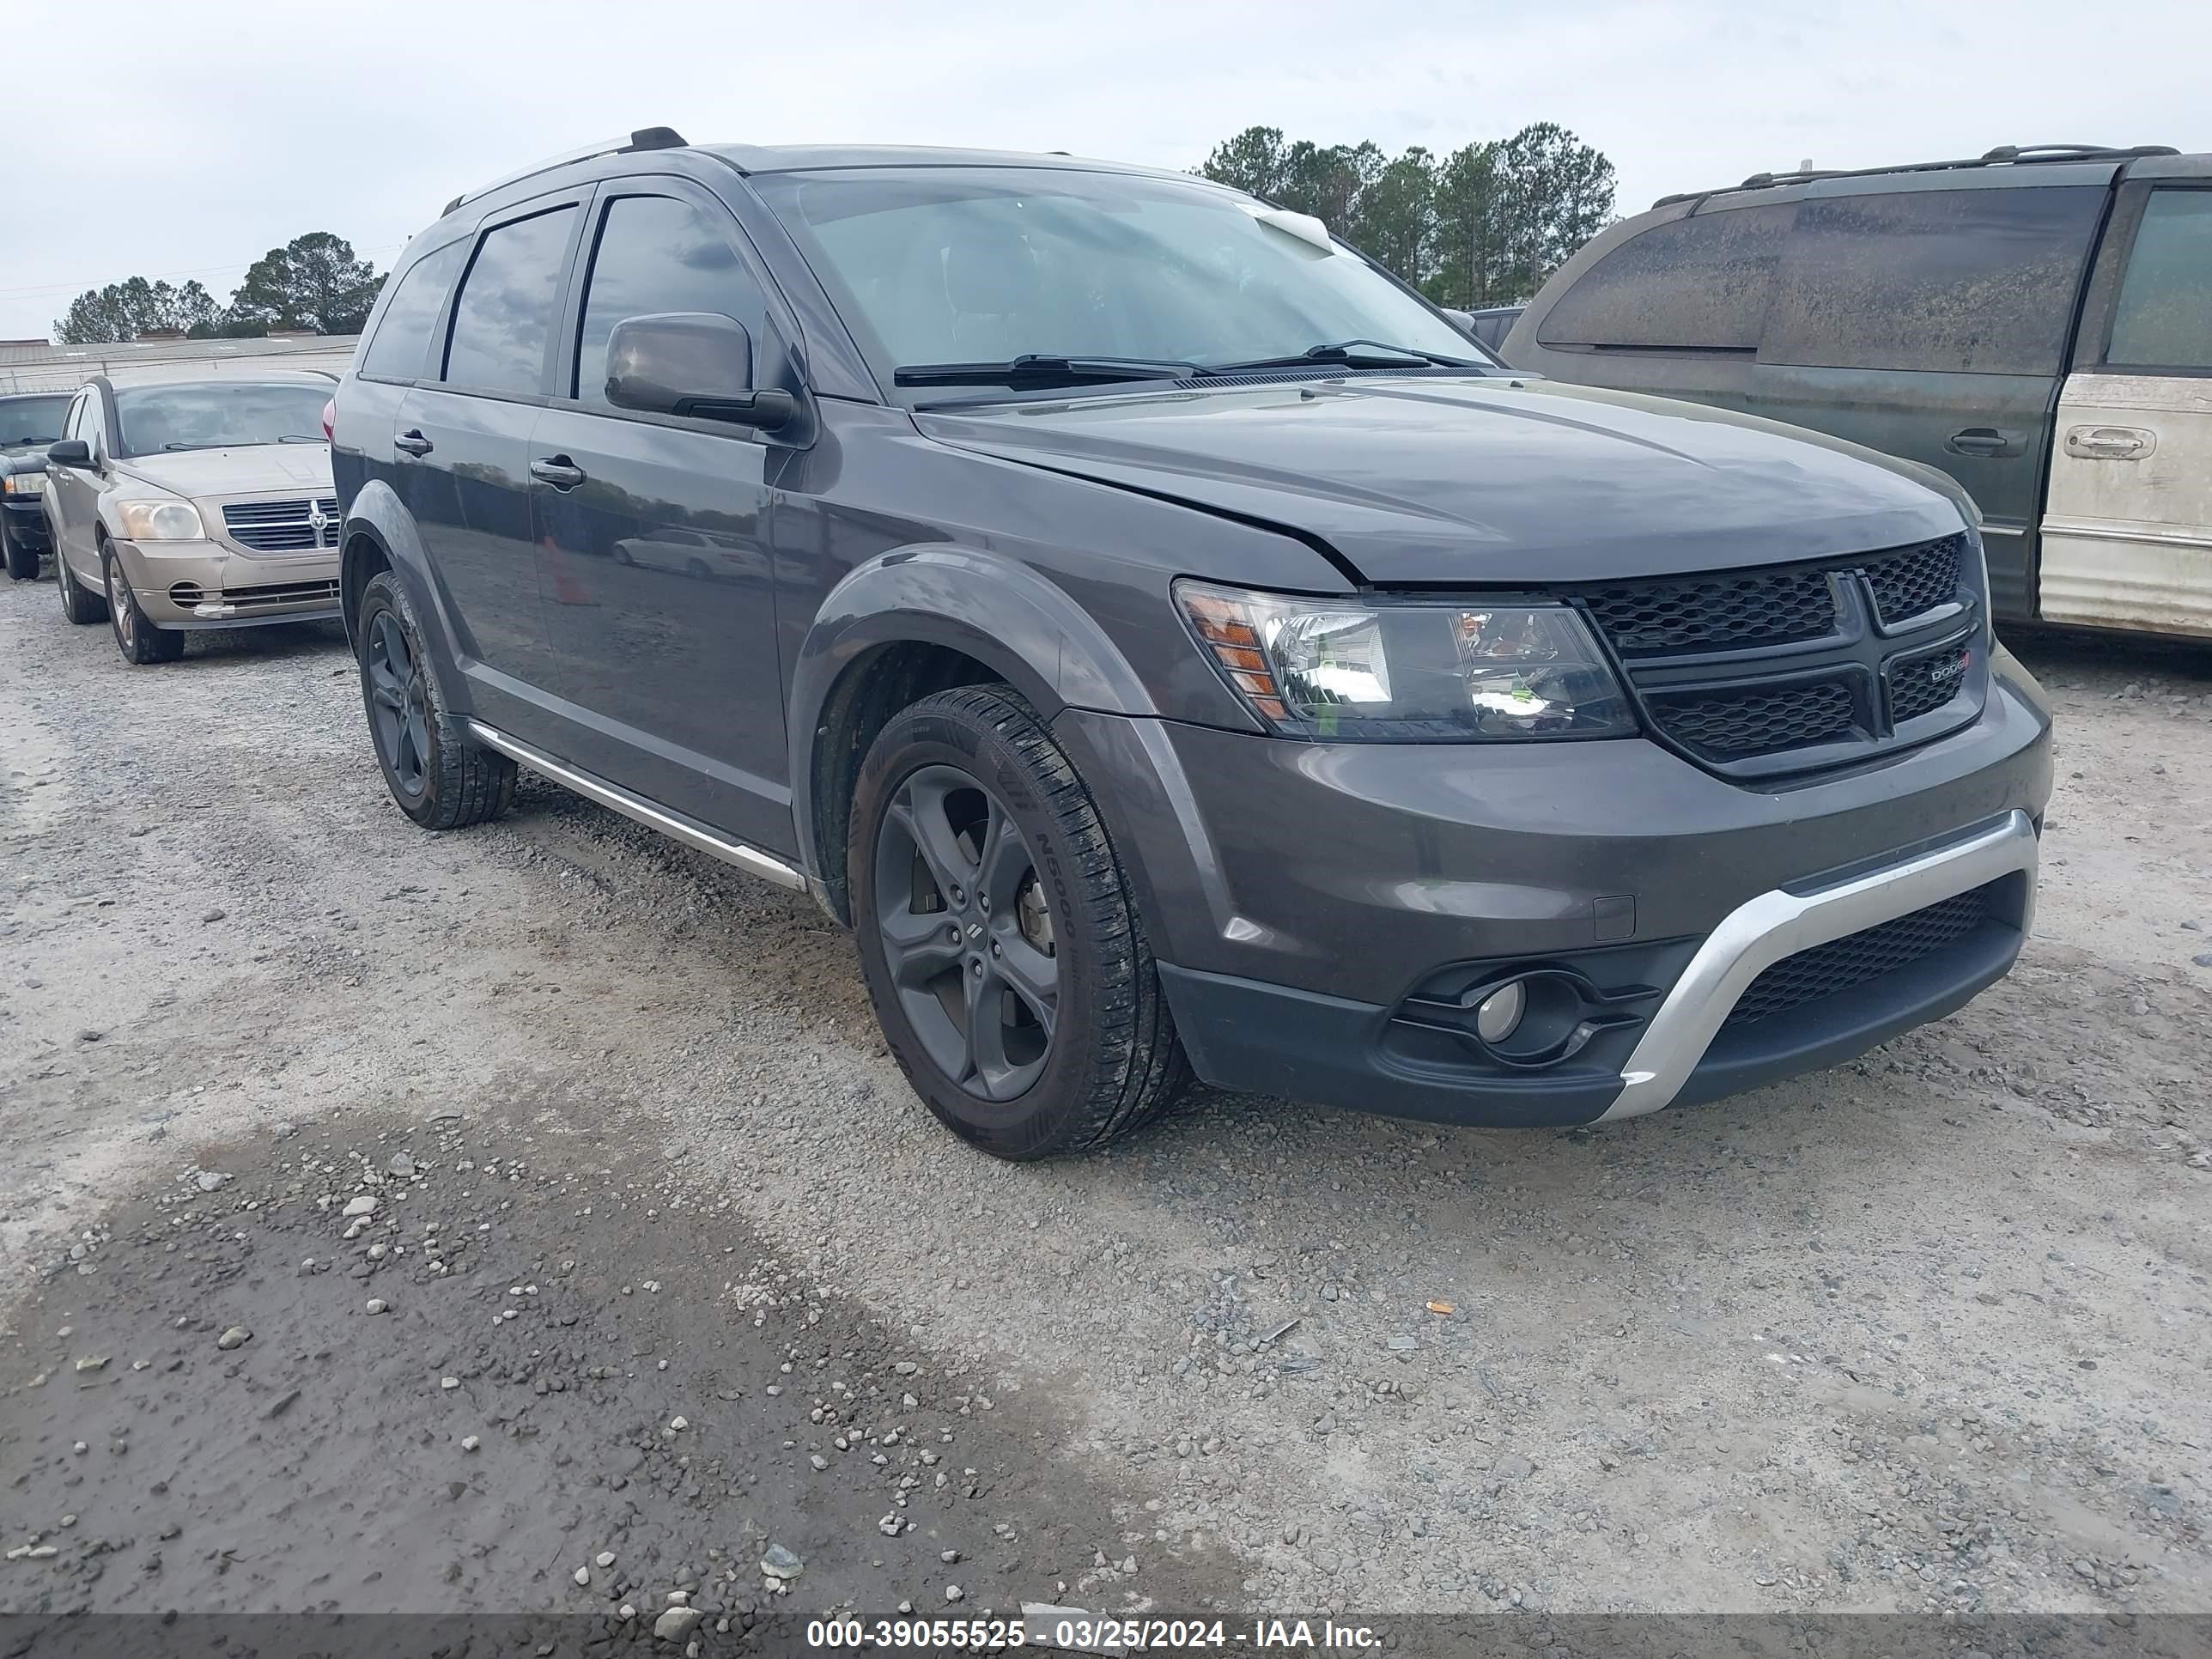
{"x": 558, "y": 471}
{"x": 413, "y": 442}
{"x": 1982, "y": 440}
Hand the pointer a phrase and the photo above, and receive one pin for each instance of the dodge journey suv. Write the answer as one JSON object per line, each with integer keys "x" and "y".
{"x": 1142, "y": 622}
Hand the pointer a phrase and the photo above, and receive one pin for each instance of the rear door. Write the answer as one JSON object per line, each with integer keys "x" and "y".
{"x": 2127, "y": 538}
{"x": 459, "y": 447}
{"x": 653, "y": 533}
{"x": 1931, "y": 321}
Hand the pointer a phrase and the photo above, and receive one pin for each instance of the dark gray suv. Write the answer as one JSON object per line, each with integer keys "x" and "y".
{"x": 1140, "y": 620}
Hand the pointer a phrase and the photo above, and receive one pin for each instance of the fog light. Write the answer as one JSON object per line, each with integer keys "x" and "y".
{"x": 1499, "y": 1015}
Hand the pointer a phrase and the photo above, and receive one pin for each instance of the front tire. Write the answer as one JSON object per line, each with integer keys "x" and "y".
{"x": 997, "y": 936}
{"x": 79, "y": 606}
{"x": 137, "y": 639}
{"x": 438, "y": 777}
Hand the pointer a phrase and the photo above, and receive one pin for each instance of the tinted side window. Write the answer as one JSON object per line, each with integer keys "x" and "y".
{"x": 657, "y": 254}
{"x": 504, "y": 314}
{"x": 1964, "y": 281}
{"x": 73, "y": 424}
{"x": 401, "y": 348}
{"x": 1696, "y": 283}
{"x": 2163, "y": 318}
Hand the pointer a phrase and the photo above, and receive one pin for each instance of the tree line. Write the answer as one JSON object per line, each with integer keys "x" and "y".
{"x": 313, "y": 282}
{"x": 1482, "y": 226}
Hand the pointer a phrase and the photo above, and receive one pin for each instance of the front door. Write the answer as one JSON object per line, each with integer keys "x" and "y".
{"x": 2127, "y": 538}
{"x": 73, "y": 492}
{"x": 652, "y": 535}
{"x": 460, "y": 462}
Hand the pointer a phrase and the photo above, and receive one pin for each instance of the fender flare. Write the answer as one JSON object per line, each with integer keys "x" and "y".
{"x": 1004, "y": 614}
{"x": 376, "y": 518}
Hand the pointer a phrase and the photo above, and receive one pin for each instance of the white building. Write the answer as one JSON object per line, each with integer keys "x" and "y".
{"x": 41, "y": 366}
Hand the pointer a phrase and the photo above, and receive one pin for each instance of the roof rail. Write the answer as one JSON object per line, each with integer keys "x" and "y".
{"x": 644, "y": 138}
{"x": 2003, "y": 156}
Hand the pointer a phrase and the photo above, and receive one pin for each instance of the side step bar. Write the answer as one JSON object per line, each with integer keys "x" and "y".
{"x": 674, "y": 825}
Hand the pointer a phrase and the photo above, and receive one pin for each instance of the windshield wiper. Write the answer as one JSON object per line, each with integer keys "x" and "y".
{"x": 1038, "y": 369}
{"x": 300, "y": 438}
{"x": 1349, "y": 354}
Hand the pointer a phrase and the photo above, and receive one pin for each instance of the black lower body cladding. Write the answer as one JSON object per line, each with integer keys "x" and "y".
{"x": 1329, "y": 917}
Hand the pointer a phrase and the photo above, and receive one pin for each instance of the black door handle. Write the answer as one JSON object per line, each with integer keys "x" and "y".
{"x": 558, "y": 471}
{"x": 413, "y": 442}
{"x": 1982, "y": 440}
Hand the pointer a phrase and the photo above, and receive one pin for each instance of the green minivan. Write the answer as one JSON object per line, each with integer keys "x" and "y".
{"x": 2037, "y": 323}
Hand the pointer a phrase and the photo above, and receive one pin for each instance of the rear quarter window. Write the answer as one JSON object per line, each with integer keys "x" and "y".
{"x": 400, "y": 348}
{"x": 1699, "y": 283}
{"x": 1950, "y": 280}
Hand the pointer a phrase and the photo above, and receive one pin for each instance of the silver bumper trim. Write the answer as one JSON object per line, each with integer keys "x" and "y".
{"x": 1761, "y": 931}
{"x": 673, "y": 824}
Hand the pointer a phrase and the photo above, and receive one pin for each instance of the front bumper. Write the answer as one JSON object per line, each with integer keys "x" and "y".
{"x": 1315, "y": 907}
{"x": 26, "y": 519}
{"x": 206, "y": 583}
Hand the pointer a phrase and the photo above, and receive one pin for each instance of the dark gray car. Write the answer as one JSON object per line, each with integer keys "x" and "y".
{"x": 1139, "y": 619}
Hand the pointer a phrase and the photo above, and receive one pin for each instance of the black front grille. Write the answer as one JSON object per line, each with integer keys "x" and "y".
{"x": 1725, "y": 612}
{"x": 1741, "y": 670}
{"x": 1907, "y": 584}
{"x": 284, "y": 526}
{"x": 1757, "y": 719}
{"x": 1842, "y": 963}
{"x": 1919, "y": 685}
{"x": 276, "y": 593}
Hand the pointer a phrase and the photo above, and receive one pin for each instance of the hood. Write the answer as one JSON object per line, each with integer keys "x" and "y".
{"x": 252, "y": 470}
{"x": 1415, "y": 480}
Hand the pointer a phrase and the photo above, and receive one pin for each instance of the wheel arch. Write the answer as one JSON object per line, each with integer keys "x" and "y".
{"x": 380, "y": 536}
{"x": 917, "y": 621}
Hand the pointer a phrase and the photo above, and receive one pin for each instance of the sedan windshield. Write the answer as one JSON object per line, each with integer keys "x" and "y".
{"x": 940, "y": 267}
{"x": 32, "y": 419}
{"x": 219, "y": 415}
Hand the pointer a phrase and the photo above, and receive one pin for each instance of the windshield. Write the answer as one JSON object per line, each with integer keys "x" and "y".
{"x": 218, "y": 413}
{"x": 982, "y": 265}
{"x": 32, "y": 419}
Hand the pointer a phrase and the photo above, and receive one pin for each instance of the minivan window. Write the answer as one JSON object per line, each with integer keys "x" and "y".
{"x": 400, "y": 349}
{"x": 2163, "y": 319}
{"x": 504, "y": 314}
{"x": 1699, "y": 283}
{"x": 969, "y": 264}
{"x": 1979, "y": 282}
{"x": 657, "y": 254}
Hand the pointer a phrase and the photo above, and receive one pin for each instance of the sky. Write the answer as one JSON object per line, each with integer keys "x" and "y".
{"x": 213, "y": 132}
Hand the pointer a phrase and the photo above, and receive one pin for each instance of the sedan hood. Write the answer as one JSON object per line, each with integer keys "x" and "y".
{"x": 1412, "y": 480}
{"x": 252, "y": 470}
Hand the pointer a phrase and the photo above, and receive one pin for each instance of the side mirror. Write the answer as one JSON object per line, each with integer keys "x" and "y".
{"x": 1461, "y": 320}
{"x": 691, "y": 362}
{"x": 70, "y": 451}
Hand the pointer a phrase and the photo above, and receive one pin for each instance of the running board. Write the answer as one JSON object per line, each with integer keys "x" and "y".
{"x": 674, "y": 825}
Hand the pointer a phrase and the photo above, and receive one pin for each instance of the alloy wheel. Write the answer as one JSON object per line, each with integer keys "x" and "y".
{"x": 967, "y": 931}
{"x": 397, "y": 708}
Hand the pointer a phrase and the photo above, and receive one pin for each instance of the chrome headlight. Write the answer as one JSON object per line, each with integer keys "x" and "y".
{"x": 1416, "y": 671}
{"x": 24, "y": 484}
{"x": 160, "y": 521}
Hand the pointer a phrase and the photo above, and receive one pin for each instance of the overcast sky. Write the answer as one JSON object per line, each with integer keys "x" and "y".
{"x": 184, "y": 141}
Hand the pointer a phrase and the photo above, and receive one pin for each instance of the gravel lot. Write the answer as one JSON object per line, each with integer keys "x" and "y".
{"x": 1928, "y": 1332}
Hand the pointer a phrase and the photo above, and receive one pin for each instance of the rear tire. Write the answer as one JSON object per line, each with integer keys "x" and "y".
{"x": 136, "y": 638}
{"x": 79, "y": 606}
{"x": 998, "y": 935}
{"x": 438, "y": 777}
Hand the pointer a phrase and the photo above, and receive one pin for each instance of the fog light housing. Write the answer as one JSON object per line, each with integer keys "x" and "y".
{"x": 1499, "y": 1015}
